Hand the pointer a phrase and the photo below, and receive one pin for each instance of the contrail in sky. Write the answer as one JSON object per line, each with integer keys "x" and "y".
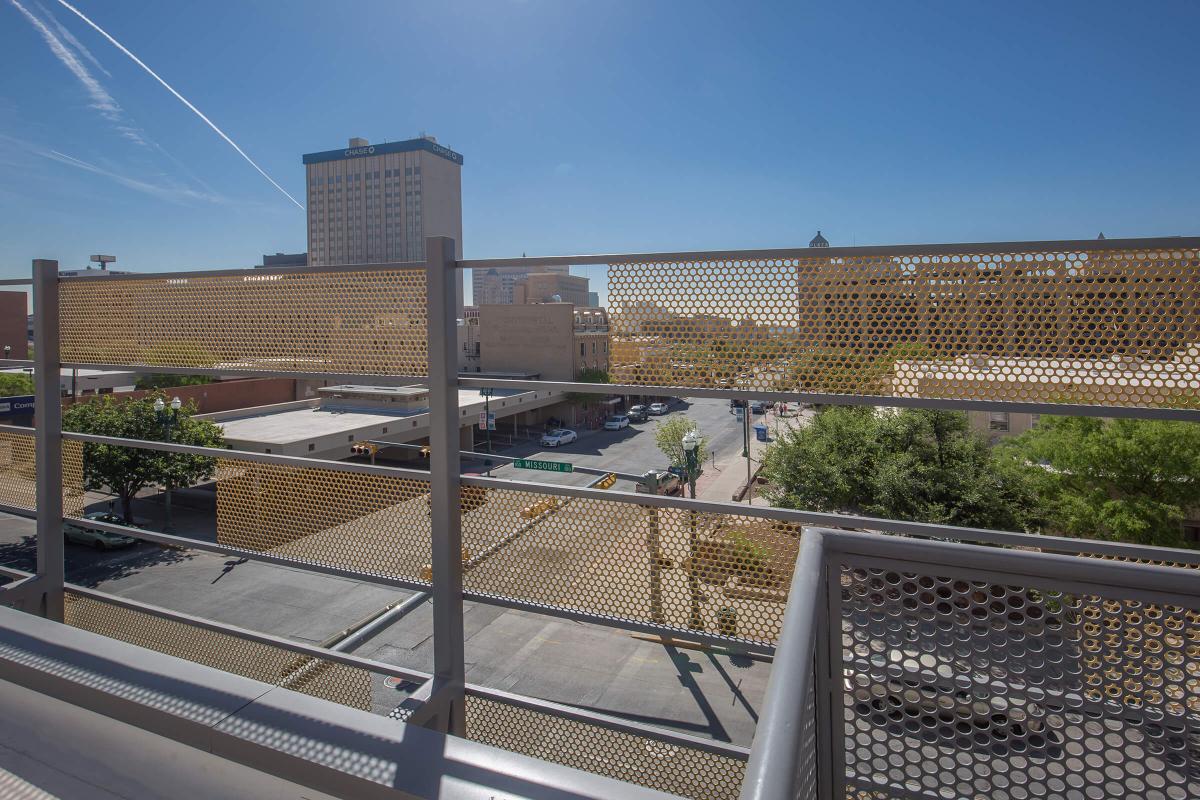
{"x": 179, "y": 97}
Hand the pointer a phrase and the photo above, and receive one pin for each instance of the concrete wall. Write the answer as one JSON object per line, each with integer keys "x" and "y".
{"x": 13, "y": 331}
{"x": 219, "y": 396}
{"x": 539, "y": 287}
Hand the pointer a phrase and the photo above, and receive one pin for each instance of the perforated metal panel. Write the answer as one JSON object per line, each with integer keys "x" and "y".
{"x": 1114, "y": 327}
{"x": 18, "y": 473}
{"x": 962, "y": 687}
{"x": 325, "y": 679}
{"x": 668, "y": 767}
{"x": 368, "y": 523}
{"x": 362, "y": 322}
{"x": 720, "y": 573}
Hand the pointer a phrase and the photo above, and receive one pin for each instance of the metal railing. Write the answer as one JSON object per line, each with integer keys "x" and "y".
{"x": 794, "y": 325}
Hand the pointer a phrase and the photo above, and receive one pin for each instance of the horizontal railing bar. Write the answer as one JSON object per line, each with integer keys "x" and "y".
{"x": 818, "y": 398}
{"x": 18, "y": 511}
{"x": 611, "y": 722}
{"x": 247, "y": 271}
{"x": 772, "y": 768}
{"x": 300, "y": 462}
{"x": 16, "y": 281}
{"x": 476, "y": 455}
{"x": 1019, "y": 564}
{"x": 941, "y": 248}
{"x": 254, "y": 636}
{"x": 17, "y": 362}
{"x": 20, "y": 430}
{"x": 253, "y": 555}
{"x": 1010, "y": 538}
{"x": 680, "y": 634}
{"x": 257, "y": 372}
{"x": 13, "y": 572}
{"x": 830, "y": 519}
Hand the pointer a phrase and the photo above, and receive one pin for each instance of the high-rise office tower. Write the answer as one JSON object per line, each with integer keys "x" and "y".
{"x": 376, "y": 203}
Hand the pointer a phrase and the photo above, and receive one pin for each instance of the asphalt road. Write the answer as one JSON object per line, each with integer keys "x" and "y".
{"x": 630, "y": 450}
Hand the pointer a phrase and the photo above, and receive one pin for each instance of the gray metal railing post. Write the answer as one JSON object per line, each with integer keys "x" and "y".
{"x": 772, "y": 770}
{"x": 448, "y": 650}
{"x": 48, "y": 439}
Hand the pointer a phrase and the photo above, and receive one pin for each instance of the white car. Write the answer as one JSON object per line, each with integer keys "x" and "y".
{"x": 658, "y": 409}
{"x": 558, "y": 437}
{"x": 616, "y": 423}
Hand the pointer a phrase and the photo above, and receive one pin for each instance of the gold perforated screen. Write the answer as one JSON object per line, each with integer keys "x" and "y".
{"x": 668, "y": 767}
{"x": 263, "y": 662}
{"x": 1113, "y": 327}
{"x": 373, "y": 524}
{"x": 368, "y": 321}
{"x": 722, "y": 574}
{"x": 18, "y": 473}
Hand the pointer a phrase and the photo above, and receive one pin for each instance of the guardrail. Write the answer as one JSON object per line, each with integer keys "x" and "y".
{"x": 958, "y": 326}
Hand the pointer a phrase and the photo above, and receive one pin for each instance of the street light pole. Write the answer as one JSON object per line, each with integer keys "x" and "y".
{"x": 169, "y": 422}
{"x": 691, "y": 444}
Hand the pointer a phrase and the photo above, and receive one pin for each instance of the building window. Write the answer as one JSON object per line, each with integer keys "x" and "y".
{"x": 998, "y": 421}
{"x": 311, "y": 447}
{"x": 582, "y": 350}
{"x": 1191, "y": 534}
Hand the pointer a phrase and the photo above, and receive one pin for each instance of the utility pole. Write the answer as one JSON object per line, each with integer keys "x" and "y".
{"x": 654, "y": 545}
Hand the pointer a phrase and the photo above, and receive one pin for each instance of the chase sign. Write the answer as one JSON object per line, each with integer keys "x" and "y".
{"x": 408, "y": 146}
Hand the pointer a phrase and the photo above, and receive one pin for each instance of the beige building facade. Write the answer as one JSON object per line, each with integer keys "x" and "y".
{"x": 552, "y": 287}
{"x": 556, "y": 340}
{"x": 497, "y": 286}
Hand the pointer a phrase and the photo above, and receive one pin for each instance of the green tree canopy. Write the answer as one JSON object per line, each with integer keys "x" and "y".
{"x": 126, "y": 471}
{"x": 15, "y": 384}
{"x": 916, "y": 464}
{"x": 1123, "y": 480}
{"x": 668, "y": 435}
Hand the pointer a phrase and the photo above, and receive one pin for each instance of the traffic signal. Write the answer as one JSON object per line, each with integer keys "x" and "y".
{"x": 607, "y": 481}
{"x": 425, "y": 451}
{"x": 364, "y": 449}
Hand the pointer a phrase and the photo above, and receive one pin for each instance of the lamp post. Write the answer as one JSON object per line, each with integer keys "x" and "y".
{"x": 691, "y": 445}
{"x": 169, "y": 422}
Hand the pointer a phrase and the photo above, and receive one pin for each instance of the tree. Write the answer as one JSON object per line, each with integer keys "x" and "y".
{"x": 917, "y": 464}
{"x": 1123, "y": 480}
{"x": 126, "y": 471}
{"x": 15, "y": 384}
{"x": 669, "y": 438}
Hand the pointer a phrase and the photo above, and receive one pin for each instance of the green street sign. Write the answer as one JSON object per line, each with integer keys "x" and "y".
{"x": 544, "y": 466}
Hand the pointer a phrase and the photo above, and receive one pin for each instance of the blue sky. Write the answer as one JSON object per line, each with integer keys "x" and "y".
{"x": 609, "y": 126}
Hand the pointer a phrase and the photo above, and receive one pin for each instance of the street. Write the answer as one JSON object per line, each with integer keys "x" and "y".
{"x": 632, "y": 450}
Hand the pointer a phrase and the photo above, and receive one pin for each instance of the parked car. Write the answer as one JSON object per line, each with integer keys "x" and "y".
{"x": 756, "y": 407}
{"x": 558, "y": 437}
{"x": 657, "y": 409}
{"x": 94, "y": 537}
{"x": 668, "y": 484}
{"x": 638, "y": 414}
{"x": 615, "y": 423}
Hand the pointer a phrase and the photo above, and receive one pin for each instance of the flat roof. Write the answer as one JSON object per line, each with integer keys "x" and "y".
{"x": 377, "y": 391}
{"x": 406, "y": 146}
{"x": 303, "y": 424}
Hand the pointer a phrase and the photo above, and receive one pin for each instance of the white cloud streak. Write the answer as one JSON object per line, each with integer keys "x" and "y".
{"x": 102, "y": 101}
{"x": 174, "y": 194}
{"x": 178, "y": 96}
{"x": 71, "y": 40}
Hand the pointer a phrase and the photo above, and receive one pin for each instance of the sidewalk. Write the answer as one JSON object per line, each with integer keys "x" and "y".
{"x": 729, "y": 475}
